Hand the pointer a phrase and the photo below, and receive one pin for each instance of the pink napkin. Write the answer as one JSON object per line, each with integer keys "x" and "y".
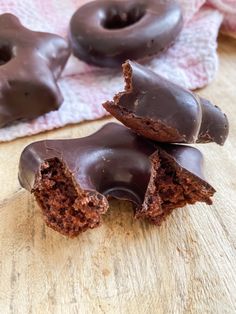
{"x": 191, "y": 62}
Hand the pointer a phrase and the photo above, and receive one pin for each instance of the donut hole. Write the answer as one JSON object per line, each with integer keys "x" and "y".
{"x": 119, "y": 19}
{"x": 5, "y": 54}
{"x": 115, "y": 176}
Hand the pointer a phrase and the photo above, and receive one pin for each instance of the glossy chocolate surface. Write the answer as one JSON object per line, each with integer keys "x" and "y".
{"x": 151, "y": 97}
{"x": 113, "y": 161}
{"x": 106, "y": 33}
{"x": 214, "y": 124}
{"x": 30, "y": 64}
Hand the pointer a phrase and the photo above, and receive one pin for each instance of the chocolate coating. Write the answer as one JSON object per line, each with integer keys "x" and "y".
{"x": 106, "y": 33}
{"x": 30, "y": 64}
{"x": 163, "y": 111}
{"x": 99, "y": 162}
{"x": 113, "y": 162}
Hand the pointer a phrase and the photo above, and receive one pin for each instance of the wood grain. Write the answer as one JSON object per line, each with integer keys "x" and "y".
{"x": 188, "y": 265}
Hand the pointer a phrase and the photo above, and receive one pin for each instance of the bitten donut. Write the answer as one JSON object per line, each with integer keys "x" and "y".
{"x": 165, "y": 112}
{"x": 106, "y": 33}
{"x": 73, "y": 179}
{"x": 30, "y": 64}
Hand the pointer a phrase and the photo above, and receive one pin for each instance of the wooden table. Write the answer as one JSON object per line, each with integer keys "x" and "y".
{"x": 188, "y": 265}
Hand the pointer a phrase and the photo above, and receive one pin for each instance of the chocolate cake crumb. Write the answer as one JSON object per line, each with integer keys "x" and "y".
{"x": 66, "y": 208}
{"x": 171, "y": 187}
{"x": 150, "y": 128}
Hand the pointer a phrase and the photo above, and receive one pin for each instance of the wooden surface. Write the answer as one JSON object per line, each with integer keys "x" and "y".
{"x": 186, "y": 266}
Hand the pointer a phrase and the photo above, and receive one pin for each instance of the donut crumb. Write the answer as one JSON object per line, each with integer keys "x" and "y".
{"x": 66, "y": 207}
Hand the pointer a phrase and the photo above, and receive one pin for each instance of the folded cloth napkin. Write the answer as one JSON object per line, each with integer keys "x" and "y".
{"x": 191, "y": 62}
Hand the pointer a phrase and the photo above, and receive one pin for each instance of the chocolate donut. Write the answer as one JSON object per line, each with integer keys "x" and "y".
{"x": 165, "y": 112}
{"x": 30, "y": 64}
{"x": 73, "y": 179}
{"x": 106, "y": 33}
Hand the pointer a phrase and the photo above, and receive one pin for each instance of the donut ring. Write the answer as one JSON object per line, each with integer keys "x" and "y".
{"x": 106, "y": 33}
{"x": 72, "y": 180}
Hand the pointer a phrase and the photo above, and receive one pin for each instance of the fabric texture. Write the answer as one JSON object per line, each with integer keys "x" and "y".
{"x": 190, "y": 62}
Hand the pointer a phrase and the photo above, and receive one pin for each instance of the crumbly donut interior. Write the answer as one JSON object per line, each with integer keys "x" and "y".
{"x": 70, "y": 210}
{"x": 147, "y": 127}
{"x": 171, "y": 187}
{"x": 66, "y": 207}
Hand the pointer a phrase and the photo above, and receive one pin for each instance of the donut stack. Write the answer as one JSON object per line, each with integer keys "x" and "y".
{"x": 73, "y": 179}
{"x": 145, "y": 161}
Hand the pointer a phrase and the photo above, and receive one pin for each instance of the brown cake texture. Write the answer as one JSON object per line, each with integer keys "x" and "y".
{"x": 66, "y": 207}
{"x": 171, "y": 187}
{"x": 144, "y": 125}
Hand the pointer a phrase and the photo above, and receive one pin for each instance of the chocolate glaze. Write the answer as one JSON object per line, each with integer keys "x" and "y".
{"x": 106, "y": 33}
{"x": 114, "y": 158}
{"x": 103, "y": 161}
{"x": 165, "y": 112}
{"x": 30, "y": 64}
{"x": 214, "y": 124}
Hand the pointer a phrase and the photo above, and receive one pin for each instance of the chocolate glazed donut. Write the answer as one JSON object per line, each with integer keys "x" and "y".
{"x": 73, "y": 179}
{"x": 165, "y": 112}
{"x": 106, "y": 33}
